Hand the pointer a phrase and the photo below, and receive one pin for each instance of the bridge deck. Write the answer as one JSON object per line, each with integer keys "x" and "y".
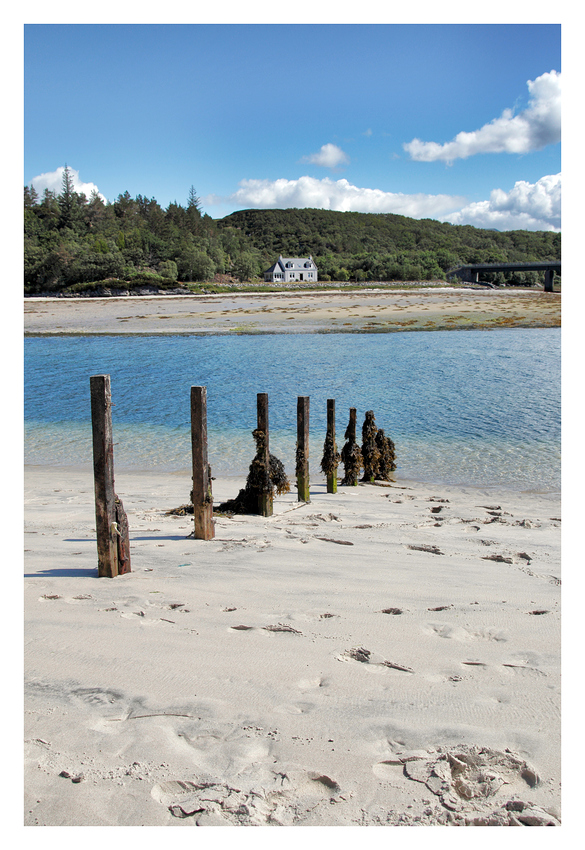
{"x": 471, "y": 271}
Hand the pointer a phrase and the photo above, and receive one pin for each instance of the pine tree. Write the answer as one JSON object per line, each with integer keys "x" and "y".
{"x": 193, "y": 201}
{"x": 31, "y": 197}
{"x": 67, "y": 199}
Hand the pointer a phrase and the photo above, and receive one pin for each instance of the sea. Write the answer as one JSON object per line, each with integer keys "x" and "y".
{"x": 479, "y": 408}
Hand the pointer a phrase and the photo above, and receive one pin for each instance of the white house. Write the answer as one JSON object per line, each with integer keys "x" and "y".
{"x": 291, "y": 268}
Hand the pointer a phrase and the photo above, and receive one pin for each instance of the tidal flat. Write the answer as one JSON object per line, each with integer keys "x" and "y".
{"x": 382, "y": 311}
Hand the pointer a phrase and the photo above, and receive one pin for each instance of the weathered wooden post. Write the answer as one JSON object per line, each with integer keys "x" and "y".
{"x": 111, "y": 522}
{"x": 201, "y": 495}
{"x": 331, "y": 474}
{"x": 352, "y": 425}
{"x": 266, "y": 497}
{"x": 302, "y": 459}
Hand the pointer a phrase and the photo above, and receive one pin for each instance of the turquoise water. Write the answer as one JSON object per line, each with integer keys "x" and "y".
{"x": 463, "y": 407}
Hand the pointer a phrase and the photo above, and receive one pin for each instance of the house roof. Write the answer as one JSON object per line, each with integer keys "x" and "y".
{"x": 298, "y": 262}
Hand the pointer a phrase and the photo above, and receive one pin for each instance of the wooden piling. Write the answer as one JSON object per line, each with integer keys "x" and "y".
{"x": 103, "y": 474}
{"x": 332, "y": 475}
{"x": 266, "y": 497}
{"x": 302, "y": 464}
{"x": 352, "y": 425}
{"x": 201, "y": 494}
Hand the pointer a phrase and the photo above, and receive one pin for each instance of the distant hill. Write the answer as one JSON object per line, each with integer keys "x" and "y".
{"x": 384, "y": 246}
{"x": 74, "y": 244}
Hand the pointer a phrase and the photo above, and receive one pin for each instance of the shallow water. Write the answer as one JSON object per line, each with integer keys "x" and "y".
{"x": 463, "y": 407}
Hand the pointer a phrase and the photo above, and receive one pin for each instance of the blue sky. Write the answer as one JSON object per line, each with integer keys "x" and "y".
{"x": 449, "y": 121}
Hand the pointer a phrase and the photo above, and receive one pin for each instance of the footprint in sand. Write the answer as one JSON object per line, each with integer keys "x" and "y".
{"x": 312, "y": 684}
{"x": 464, "y": 779}
{"x": 97, "y": 696}
{"x": 451, "y": 632}
{"x": 287, "y": 796}
{"x": 448, "y": 631}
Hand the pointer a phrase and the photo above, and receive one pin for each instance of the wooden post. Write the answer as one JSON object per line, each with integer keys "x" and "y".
{"x": 351, "y": 435}
{"x": 352, "y": 424}
{"x": 123, "y": 538}
{"x": 302, "y": 464}
{"x": 103, "y": 473}
{"x": 266, "y": 498}
{"x": 331, "y": 476}
{"x": 202, "y": 495}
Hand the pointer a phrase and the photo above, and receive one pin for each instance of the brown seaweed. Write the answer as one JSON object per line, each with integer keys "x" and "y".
{"x": 351, "y": 455}
{"x": 387, "y": 459}
{"x": 370, "y": 450}
{"x": 331, "y": 457}
{"x": 261, "y": 480}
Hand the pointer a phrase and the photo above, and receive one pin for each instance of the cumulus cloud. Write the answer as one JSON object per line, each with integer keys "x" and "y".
{"x": 330, "y": 156}
{"x": 53, "y": 180}
{"x": 308, "y": 192}
{"x": 528, "y": 206}
{"x": 534, "y": 128}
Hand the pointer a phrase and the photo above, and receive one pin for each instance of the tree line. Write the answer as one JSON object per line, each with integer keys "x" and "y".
{"x": 74, "y": 243}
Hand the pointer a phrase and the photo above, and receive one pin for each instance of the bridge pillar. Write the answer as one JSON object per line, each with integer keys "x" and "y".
{"x": 469, "y": 276}
{"x": 548, "y": 280}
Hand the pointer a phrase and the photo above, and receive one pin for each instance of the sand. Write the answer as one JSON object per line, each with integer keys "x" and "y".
{"x": 379, "y": 656}
{"x": 383, "y": 656}
{"x": 301, "y": 312}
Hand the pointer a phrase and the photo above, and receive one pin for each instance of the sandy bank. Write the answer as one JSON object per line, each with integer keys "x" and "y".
{"x": 382, "y": 656}
{"x": 373, "y": 311}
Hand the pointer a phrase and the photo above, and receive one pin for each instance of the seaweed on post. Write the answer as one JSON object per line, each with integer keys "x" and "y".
{"x": 370, "y": 450}
{"x": 351, "y": 455}
{"x": 331, "y": 457}
{"x": 387, "y": 461}
{"x": 261, "y": 480}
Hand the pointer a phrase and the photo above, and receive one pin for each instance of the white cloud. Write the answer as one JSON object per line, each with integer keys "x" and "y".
{"x": 534, "y": 128}
{"x": 308, "y": 192}
{"x": 330, "y": 156}
{"x": 528, "y": 206}
{"x": 53, "y": 180}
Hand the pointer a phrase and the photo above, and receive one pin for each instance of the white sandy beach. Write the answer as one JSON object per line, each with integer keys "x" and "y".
{"x": 379, "y": 656}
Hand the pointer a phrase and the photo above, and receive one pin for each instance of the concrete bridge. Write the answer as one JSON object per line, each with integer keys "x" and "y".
{"x": 471, "y": 272}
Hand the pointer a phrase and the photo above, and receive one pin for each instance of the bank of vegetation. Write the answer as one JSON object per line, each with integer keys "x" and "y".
{"x": 75, "y": 245}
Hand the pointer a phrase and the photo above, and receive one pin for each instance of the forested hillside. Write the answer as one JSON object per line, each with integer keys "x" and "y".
{"x": 383, "y": 246}
{"x": 72, "y": 243}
